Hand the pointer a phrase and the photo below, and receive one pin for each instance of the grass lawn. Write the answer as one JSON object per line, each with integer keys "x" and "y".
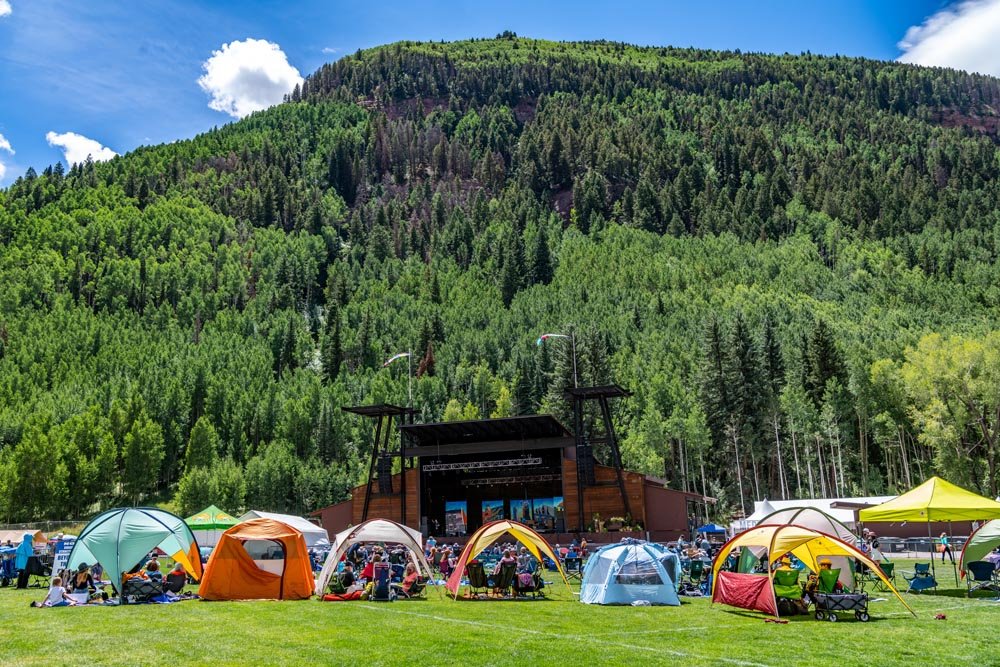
{"x": 439, "y": 631}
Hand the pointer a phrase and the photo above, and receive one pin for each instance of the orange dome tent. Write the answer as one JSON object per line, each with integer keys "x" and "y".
{"x": 278, "y": 567}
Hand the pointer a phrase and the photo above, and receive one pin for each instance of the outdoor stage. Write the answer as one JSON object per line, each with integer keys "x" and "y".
{"x": 456, "y": 476}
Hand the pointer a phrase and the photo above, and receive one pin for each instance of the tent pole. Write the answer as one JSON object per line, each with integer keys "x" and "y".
{"x": 930, "y": 539}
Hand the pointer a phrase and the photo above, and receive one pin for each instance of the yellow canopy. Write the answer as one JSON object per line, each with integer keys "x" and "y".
{"x": 806, "y": 544}
{"x": 934, "y": 500}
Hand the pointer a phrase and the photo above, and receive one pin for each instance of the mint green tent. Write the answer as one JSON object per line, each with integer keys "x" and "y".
{"x": 120, "y": 539}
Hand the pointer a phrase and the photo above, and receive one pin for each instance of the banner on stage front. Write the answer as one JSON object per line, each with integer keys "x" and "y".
{"x": 492, "y": 510}
{"x": 455, "y": 517}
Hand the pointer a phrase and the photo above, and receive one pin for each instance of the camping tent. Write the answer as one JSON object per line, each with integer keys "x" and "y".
{"x": 756, "y": 591}
{"x": 259, "y": 559}
{"x": 373, "y": 530}
{"x": 985, "y": 539}
{"x": 818, "y": 520}
{"x": 810, "y": 517}
{"x": 629, "y": 571}
{"x": 490, "y": 533}
{"x": 934, "y": 500}
{"x": 314, "y": 535}
{"x": 209, "y": 524}
{"x": 119, "y": 540}
{"x": 15, "y": 537}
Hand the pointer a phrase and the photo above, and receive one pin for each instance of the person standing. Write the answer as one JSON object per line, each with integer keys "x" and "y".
{"x": 946, "y": 548}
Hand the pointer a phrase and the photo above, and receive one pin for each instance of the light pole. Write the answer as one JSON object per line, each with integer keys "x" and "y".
{"x": 571, "y": 337}
{"x": 409, "y": 373}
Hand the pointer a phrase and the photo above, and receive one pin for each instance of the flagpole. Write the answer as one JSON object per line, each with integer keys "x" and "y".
{"x": 409, "y": 379}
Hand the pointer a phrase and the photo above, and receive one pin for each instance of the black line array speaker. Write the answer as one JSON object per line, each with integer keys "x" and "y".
{"x": 384, "y": 474}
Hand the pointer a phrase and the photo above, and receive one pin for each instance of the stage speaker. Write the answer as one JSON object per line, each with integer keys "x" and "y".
{"x": 585, "y": 461}
{"x": 384, "y": 473}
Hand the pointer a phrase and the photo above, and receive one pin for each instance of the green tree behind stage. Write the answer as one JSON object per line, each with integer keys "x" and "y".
{"x": 791, "y": 260}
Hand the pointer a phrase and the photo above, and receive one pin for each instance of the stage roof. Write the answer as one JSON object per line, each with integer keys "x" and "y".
{"x": 379, "y": 410}
{"x": 606, "y": 391}
{"x": 485, "y": 435}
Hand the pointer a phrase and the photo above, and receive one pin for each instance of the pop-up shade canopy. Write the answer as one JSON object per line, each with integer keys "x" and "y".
{"x": 314, "y": 535}
{"x": 756, "y": 591}
{"x": 373, "y": 530}
{"x": 489, "y": 534}
{"x": 119, "y": 539}
{"x": 985, "y": 539}
{"x": 934, "y": 500}
{"x": 711, "y": 528}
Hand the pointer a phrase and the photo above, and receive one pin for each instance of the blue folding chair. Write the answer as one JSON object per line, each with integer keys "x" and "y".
{"x": 981, "y": 576}
{"x": 920, "y": 578}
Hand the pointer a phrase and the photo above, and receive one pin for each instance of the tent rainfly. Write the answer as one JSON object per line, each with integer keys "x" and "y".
{"x": 234, "y": 574}
{"x": 629, "y": 571}
{"x": 810, "y": 517}
{"x": 373, "y": 530}
{"x": 314, "y": 535}
{"x": 490, "y": 533}
{"x": 209, "y": 524}
{"x": 756, "y": 591}
{"x": 985, "y": 539}
{"x": 119, "y": 540}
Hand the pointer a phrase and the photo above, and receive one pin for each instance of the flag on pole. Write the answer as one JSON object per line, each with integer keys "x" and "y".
{"x": 545, "y": 337}
{"x": 395, "y": 357}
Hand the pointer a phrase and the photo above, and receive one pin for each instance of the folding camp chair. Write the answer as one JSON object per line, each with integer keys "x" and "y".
{"x": 137, "y": 589}
{"x": 889, "y": 571}
{"x": 477, "y": 577}
{"x": 981, "y": 576}
{"x": 786, "y": 584}
{"x": 39, "y": 571}
{"x": 573, "y": 568}
{"x": 696, "y": 571}
{"x": 526, "y": 583}
{"x": 175, "y": 582}
{"x": 381, "y": 591}
{"x": 503, "y": 581}
{"x": 921, "y": 578}
{"x": 827, "y": 581}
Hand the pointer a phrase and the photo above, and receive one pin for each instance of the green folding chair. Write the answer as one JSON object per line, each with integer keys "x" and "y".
{"x": 786, "y": 584}
{"x": 889, "y": 570}
{"x": 828, "y": 581}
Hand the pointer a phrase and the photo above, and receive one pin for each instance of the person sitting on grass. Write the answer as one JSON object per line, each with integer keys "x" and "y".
{"x": 445, "y": 564}
{"x": 83, "y": 581}
{"x": 57, "y": 596}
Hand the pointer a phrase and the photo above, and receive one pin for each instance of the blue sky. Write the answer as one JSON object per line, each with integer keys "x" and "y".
{"x": 73, "y": 71}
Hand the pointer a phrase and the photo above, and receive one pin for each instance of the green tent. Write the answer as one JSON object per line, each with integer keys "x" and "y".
{"x": 120, "y": 539}
{"x": 210, "y": 524}
{"x": 980, "y": 543}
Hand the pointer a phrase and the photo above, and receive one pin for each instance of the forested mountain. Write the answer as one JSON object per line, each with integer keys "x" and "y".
{"x": 790, "y": 259}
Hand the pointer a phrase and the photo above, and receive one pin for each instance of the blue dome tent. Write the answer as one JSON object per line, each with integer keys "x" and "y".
{"x": 629, "y": 571}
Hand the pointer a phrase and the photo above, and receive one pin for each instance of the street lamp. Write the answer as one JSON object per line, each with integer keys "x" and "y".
{"x": 571, "y": 337}
{"x": 409, "y": 373}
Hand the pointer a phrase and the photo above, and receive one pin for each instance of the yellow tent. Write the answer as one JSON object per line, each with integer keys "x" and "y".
{"x": 806, "y": 544}
{"x": 934, "y": 500}
{"x": 489, "y": 534}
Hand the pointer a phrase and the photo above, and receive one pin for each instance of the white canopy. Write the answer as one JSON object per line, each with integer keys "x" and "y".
{"x": 373, "y": 530}
{"x": 315, "y": 535}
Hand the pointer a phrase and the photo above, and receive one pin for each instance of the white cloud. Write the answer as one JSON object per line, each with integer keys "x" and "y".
{"x": 77, "y": 148}
{"x": 963, "y": 36}
{"x": 3, "y": 170}
{"x": 4, "y": 144}
{"x": 330, "y": 49}
{"x": 247, "y": 76}
{"x": 5, "y": 10}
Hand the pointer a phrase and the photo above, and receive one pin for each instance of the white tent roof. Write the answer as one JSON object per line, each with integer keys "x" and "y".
{"x": 315, "y": 535}
{"x": 373, "y": 530}
{"x": 846, "y": 516}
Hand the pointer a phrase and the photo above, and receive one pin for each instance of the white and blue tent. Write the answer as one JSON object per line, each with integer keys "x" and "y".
{"x": 631, "y": 570}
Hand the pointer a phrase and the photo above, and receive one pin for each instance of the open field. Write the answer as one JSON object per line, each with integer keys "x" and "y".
{"x": 438, "y": 631}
